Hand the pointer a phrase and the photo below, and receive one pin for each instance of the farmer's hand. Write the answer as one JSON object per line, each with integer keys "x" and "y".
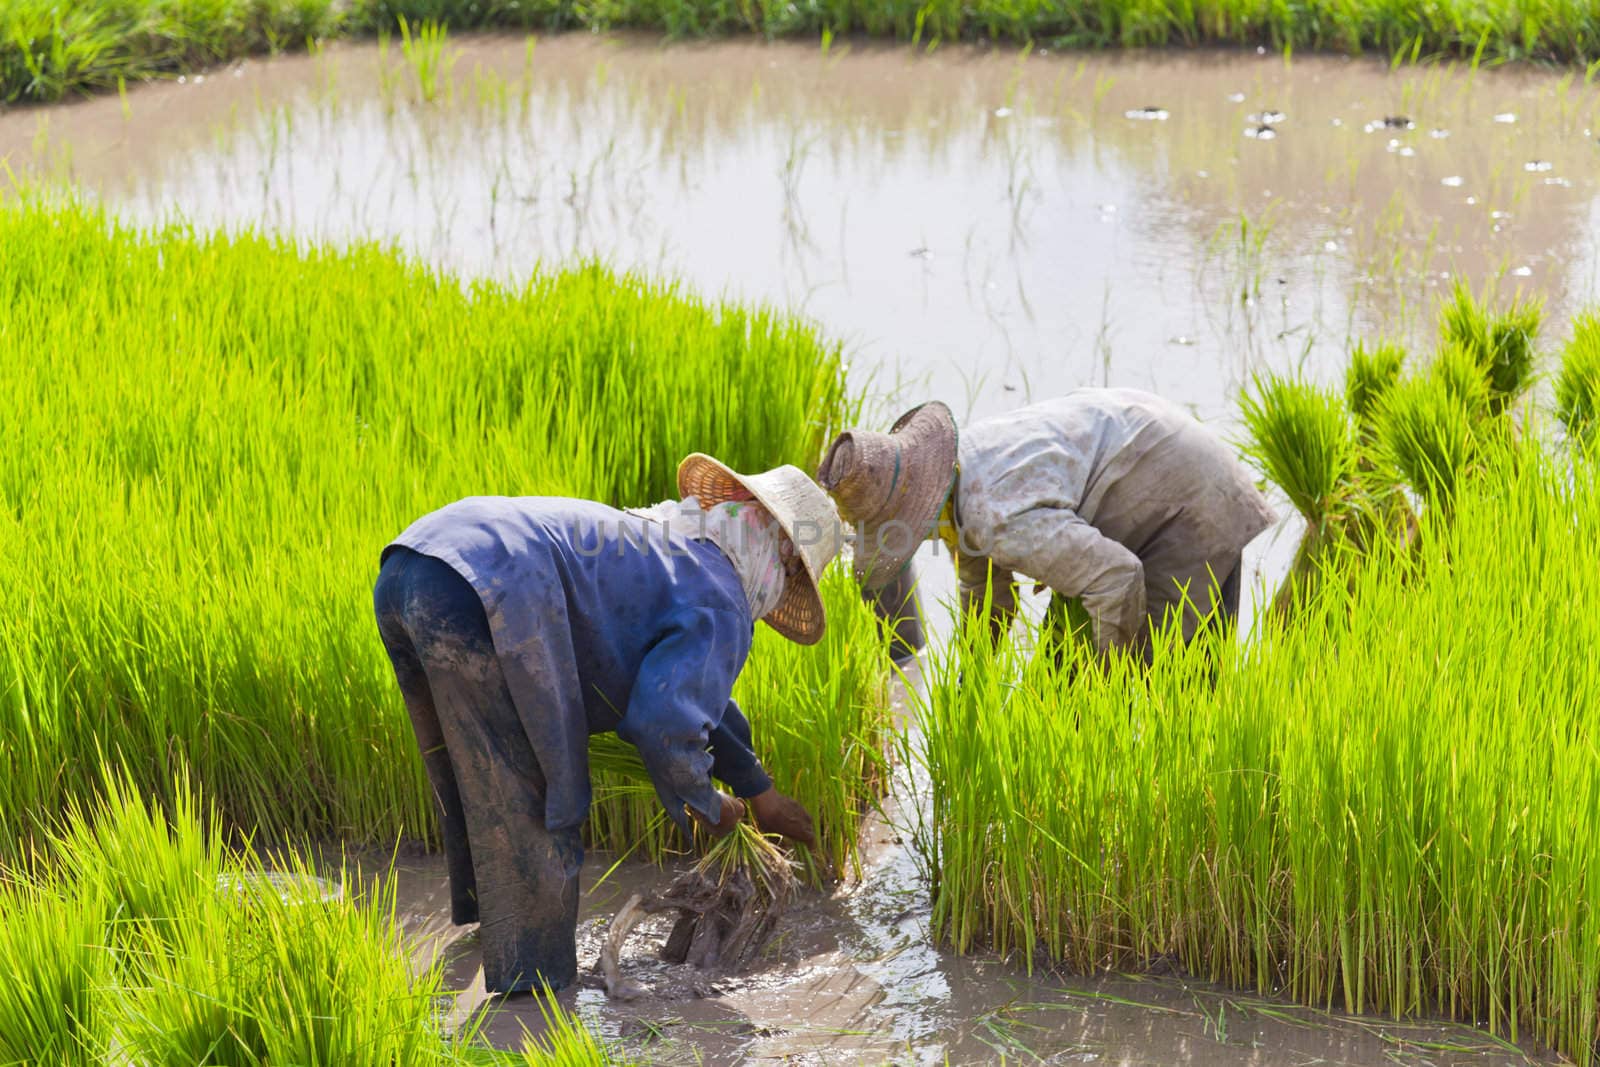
{"x": 778, "y": 814}
{"x": 732, "y": 814}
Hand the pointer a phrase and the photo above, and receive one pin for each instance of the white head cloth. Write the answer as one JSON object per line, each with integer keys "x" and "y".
{"x": 745, "y": 533}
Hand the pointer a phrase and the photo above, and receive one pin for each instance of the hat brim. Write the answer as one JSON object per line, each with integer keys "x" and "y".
{"x": 800, "y": 615}
{"x": 928, "y": 440}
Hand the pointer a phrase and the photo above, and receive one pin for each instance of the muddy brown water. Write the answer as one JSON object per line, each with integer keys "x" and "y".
{"x": 979, "y": 225}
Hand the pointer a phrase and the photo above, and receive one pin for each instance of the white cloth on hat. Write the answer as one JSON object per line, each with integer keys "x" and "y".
{"x": 744, "y": 533}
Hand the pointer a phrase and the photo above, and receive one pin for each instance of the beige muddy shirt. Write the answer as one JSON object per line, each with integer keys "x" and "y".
{"x": 1113, "y": 496}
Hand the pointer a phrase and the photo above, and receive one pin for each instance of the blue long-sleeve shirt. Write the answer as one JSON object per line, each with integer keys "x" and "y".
{"x": 603, "y": 620}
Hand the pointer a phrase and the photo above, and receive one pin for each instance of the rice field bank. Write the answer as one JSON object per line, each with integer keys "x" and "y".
{"x": 51, "y": 51}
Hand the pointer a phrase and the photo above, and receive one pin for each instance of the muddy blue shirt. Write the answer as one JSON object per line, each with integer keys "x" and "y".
{"x": 606, "y": 621}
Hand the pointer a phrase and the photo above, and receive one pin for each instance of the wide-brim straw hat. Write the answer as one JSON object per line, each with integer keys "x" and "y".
{"x": 892, "y": 486}
{"x": 802, "y": 511}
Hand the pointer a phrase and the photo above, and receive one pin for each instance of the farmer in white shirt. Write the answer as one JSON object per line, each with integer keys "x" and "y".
{"x": 1113, "y": 498}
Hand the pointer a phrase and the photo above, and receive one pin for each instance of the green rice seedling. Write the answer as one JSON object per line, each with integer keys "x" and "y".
{"x": 230, "y": 964}
{"x": 1371, "y": 373}
{"x": 1578, "y": 383}
{"x": 430, "y": 58}
{"x": 1428, "y": 431}
{"x": 53, "y": 967}
{"x": 563, "y": 1042}
{"x": 1301, "y": 438}
{"x": 216, "y": 437}
{"x": 1457, "y": 373}
{"x": 1380, "y": 809}
{"x": 1501, "y": 344}
{"x": 148, "y": 868}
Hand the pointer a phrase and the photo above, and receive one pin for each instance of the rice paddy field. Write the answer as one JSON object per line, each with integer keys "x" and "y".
{"x": 258, "y": 316}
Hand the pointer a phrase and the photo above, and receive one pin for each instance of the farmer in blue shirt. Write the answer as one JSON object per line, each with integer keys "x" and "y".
{"x": 519, "y": 626}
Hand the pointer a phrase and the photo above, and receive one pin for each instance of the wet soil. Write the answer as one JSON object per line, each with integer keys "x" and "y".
{"x": 852, "y": 978}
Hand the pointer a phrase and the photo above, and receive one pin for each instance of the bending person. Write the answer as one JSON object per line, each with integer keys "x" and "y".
{"x": 1112, "y": 498}
{"x": 520, "y": 626}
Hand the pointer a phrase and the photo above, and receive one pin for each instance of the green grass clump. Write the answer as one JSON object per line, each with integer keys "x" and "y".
{"x": 49, "y": 50}
{"x": 1578, "y": 384}
{"x": 140, "y": 937}
{"x": 1393, "y": 808}
{"x": 822, "y": 726}
{"x": 211, "y": 440}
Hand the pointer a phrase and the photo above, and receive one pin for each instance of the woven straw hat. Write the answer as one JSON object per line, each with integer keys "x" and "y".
{"x": 804, "y": 513}
{"x": 892, "y": 486}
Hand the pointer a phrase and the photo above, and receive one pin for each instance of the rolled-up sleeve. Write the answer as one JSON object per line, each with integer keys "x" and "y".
{"x": 679, "y": 699}
{"x": 1055, "y": 546}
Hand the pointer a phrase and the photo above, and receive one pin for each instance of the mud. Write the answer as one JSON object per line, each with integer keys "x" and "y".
{"x": 852, "y": 978}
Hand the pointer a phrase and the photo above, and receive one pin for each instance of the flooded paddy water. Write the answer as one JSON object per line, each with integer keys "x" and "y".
{"x": 982, "y": 226}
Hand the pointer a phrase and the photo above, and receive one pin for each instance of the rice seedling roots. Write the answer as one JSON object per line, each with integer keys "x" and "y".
{"x": 728, "y": 906}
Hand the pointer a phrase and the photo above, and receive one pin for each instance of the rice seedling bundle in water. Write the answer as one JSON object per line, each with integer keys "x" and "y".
{"x": 211, "y": 440}
{"x": 1578, "y": 384}
{"x": 138, "y": 937}
{"x": 1350, "y": 465}
{"x": 1390, "y": 808}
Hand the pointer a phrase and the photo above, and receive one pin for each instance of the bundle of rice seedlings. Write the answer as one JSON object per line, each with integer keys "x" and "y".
{"x": 728, "y": 903}
{"x": 1372, "y": 373}
{"x": 1456, "y": 371}
{"x": 1501, "y": 344}
{"x": 1301, "y": 439}
{"x": 1427, "y": 433}
{"x": 1578, "y": 384}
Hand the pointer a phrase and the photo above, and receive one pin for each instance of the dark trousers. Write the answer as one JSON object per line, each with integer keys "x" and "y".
{"x": 507, "y": 871}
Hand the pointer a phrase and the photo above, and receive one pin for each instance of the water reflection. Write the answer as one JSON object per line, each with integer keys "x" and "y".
{"x": 981, "y": 225}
